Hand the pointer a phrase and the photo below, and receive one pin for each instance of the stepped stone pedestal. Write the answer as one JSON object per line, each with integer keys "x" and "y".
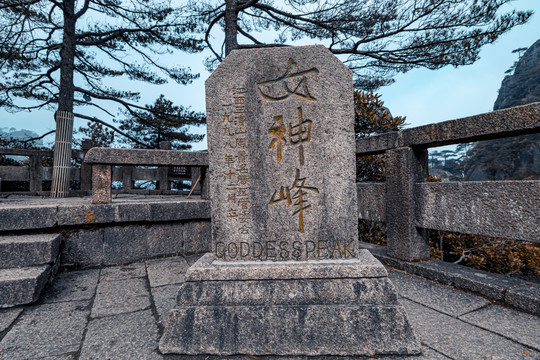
{"x": 285, "y": 276}
{"x": 329, "y": 307}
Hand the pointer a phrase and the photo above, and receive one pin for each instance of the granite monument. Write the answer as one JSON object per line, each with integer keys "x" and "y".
{"x": 285, "y": 276}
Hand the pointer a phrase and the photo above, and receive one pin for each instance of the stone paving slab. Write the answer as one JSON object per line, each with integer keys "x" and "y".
{"x": 166, "y": 271}
{"x": 165, "y": 300}
{"x": 7, "y": 317}
{"x": 122, "y": 296}
{"x": 459, "y": 340}
{"x": 436, "y": 296}
{"x": 128, "y": 323}
{"x": 511, "y": 291}
{"x": 521, "y": 327}
{"x": 125, "y": 336}
{"x": 76, "y": 285}
{"x": 46, "y": 330}
{"x": 124, "y": 272}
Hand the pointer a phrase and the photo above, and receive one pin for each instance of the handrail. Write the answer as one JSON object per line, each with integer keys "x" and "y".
{"x": 408, "y": 203}
{"x": 519, "y": 120}
{"x": 102, "y": 160}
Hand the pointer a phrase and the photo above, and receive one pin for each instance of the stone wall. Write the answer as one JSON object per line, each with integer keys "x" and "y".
{"x": 123, "y": 232}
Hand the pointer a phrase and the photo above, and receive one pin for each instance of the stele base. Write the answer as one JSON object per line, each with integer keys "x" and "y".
{"x": 309, "y": 308}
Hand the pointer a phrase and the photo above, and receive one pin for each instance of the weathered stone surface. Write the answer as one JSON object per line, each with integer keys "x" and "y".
{"x": 506, "y": 209}
{"x": 122, "y": 296}
{"x": 165, "y": 300}
{"x": 291, "y": 330}
{"x": 511, "y": 291}
{"x": 197, "y": 237}
{"x": 22, "y": 285}
{"x": 377, "y": 144}
{"x": 186, "y": 209}
{"x": 525, "y": 297}
{"x": 101, "y": 184}
{"x": 502, "y": 123}
{"x": 282, "y": 154}
{"x": 443, "y": 332}
{"x": 166, "y": 271}
{"x": 145, "y": 157}
{"x": 371, "y": 201}
{"x": 85, "y": 214}
{"x": 27, "y": 217}
{"x": 404, "y": 167}
{"x": 363, "y": 266}
{"x": 46, "y": 330}
{"x": 193, "y": 259}
{"x": 28, "y": 250}
{"x": 161, "y": 209}
{"x": 439, "y": 297}
{"x": 365, "y": 291}
{"x": 491, "y": 285}
{"x": 125, "y": 336}
{"x": 520, "y": 327}
{"x": 132, "y": 212}
{"x": 138, "y": 242}
{"x": 83, "y": 248}
{"x": 123, "y": 272}
{"x": 7, "y": 317}
{"x": 74, "y": 285}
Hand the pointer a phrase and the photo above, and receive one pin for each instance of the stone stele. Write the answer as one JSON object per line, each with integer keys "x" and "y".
{"x": 285, "y": 276}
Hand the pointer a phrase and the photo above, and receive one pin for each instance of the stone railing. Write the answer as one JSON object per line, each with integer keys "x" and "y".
{"x": 103, "y": 159}
{"x": 408, "y": 203}
{"x": 36, "y": 173}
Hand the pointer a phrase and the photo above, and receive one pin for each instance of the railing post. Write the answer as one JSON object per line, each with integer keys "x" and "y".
{"x": 163, "y": 171}
{"x": 205, "y": 185}
{"x": 195, "y": 173}
{"x": 86, "y": 169}
{"x": 404, "y": 167}
{"x": 101, "y": 184}
{"x": 127, "y": 177}
{"x": 36, "y": 174}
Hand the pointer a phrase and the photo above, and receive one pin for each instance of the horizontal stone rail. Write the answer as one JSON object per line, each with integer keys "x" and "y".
{"x": 102, "y": 160}
{"x": 26, "y": 152}
{"x": 35, "y": 173}
{"x": 146, "y": 157}
{"x": 507, "y": 209}
{"x": 519, "y": 120}
{"x": 408, "y": 203}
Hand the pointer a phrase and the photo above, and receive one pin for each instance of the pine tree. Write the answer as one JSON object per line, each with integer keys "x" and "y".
{"x": 163, "y": 121}
{"x": 378, "y": 37}
{"x": 57, "y": 54}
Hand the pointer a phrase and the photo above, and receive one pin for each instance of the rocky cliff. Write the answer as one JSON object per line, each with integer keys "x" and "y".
{"x": 516, "y": 158}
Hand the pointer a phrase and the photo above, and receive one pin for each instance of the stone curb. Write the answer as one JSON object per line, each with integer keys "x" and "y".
{"x": 30, "y": 217}
{"x": 513, "y": 292}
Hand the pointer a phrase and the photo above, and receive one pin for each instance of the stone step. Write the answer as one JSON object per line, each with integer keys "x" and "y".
{"x": 28, "y": 250}
{"x": 22, "y": 285}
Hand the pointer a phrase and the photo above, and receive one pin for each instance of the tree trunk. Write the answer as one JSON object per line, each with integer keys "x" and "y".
{"x": 64, "y": 115}
{"x": 231, "y": 19}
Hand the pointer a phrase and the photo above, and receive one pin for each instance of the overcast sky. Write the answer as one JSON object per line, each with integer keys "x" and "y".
{"x": 423, "y": 96}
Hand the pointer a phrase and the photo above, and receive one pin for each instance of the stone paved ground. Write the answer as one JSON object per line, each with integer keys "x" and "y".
{"x": 118, "y": 312}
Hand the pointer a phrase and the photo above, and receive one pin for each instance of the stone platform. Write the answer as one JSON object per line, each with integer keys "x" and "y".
{"x": 310, "y": 308}
{"x": 118, "y": 312}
